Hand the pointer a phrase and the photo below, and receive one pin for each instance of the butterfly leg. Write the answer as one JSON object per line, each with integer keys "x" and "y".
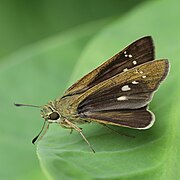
{"x": 122, "y": 134}
{"x": 79, "y": 130}
{"x": 71, "y": 131}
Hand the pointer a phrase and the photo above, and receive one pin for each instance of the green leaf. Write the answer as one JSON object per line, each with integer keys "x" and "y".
{"x": 33, "y": 76}
{"x": 26, "y": 22}
{"x": 154, "y": 153}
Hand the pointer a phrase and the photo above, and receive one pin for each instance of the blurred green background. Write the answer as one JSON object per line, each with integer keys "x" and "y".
{"x": 44, "y": 47}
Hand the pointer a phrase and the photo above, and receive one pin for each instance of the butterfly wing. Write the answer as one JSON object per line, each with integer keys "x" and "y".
{"x": 137, "y": 53}
{"x": 125, "y": 96}
{"x": 136, "y": 118}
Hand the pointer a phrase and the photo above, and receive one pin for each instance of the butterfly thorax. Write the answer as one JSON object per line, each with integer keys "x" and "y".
{"x": 60, "y": 110}
{"x": 68, "y": 109}
{"x": 63, "y": 106}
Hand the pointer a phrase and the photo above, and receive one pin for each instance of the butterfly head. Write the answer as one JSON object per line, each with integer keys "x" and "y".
{"x": 50, "y": 113}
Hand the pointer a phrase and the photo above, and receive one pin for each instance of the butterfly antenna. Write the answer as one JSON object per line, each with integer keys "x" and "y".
{"x": 27, "y": 105}
{"x": 35, "y": 139}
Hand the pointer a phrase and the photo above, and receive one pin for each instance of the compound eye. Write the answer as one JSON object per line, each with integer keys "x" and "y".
{"x": 54, "y": 116}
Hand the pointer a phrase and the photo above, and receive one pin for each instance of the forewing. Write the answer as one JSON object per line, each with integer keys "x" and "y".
{"x": 136, "y": 118}
{"x": 137, "y": 53}
{"x": 123, "y": 99}
{"x": 128, "y": 90}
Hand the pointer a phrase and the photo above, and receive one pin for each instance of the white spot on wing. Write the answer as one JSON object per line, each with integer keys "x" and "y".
{"x": 134, "y": 62}
{"x": 141, "y": 72}
{"x": 127, "y": 55}
{"x": 135, "y": 82}
{"x": 125, "y": 88}
{"x": 143, "y": 76}
{"x": 122, "y": 98}
{"x": 126, "y": 69}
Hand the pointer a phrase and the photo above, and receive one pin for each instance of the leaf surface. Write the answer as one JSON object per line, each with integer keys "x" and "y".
{"x": 154, "y": 153}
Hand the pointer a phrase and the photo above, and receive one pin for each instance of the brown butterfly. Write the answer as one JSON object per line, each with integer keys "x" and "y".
{"x": 117, "y": 92}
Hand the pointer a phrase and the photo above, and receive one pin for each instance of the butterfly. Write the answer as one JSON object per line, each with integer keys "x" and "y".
{"x": 117, "y": 92}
